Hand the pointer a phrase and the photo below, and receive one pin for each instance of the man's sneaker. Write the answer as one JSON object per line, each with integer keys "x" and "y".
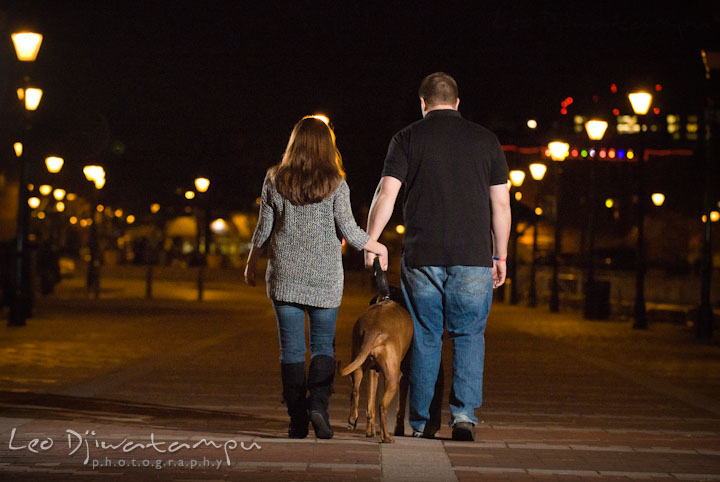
{"x": 417, "y": 434}
{"x": 463, "y": 432}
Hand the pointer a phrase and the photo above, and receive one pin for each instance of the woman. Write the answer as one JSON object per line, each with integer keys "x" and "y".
{"x": 305, "y": 207}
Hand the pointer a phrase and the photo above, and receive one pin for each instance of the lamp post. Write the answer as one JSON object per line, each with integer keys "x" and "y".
{"x": 595, "y": 129}
{"x": 705, "y": 323}
{"x": 27, "y": 46}
{"x": 202, "y": 184}
{"x": 558, "y": 152}
{"x": 640, "y": 102}
{"x": 96, "y": 175}
{"x": 516, "y": 180}
{"x": 537, "y": 172}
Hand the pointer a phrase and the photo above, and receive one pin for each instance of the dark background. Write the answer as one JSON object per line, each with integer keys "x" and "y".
{"x": 160, "y": 92}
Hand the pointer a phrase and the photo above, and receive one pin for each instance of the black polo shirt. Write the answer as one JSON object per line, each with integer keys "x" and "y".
{"x": 447, "y": 165}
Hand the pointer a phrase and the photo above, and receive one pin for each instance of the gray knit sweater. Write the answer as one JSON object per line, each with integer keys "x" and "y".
{"x": 304, "y": 258}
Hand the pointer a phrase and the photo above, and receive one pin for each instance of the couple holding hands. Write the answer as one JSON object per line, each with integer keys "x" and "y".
{"x": 456, "y": 210}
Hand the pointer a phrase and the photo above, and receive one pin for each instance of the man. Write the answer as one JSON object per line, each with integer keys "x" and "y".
{"x": 456, "y": 210}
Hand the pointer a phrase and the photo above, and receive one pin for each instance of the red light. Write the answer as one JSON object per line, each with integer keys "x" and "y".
{"x": 563, "y": 111}
{"x": 613, "y": 88}
{"x": 603, "y": 154}
{"x": 564, "y": 103}
{"x": 616, "y": 111}
{"x": 595, "y": 98}
{"x": 569, "y": 100}
{"x": 656, "y": 110}
{"x": 658, "y": 87}
{"x": 574, "y": 153}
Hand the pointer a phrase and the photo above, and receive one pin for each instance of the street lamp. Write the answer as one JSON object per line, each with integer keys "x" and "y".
{"x": 27, "y": 46}
{"x": 96, "y": 175}
{"x": 537, "y": 172}
{"x": 558, "y": 152}
{"x": 202, "y": 184}
{"x": 711, "y": 62}
{"x": 640, "y": 102}
{"x": 517, "y": 177}
{"x": 595, "y": 129}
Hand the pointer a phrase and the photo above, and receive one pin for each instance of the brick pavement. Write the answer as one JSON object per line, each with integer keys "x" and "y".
{"x": 565, "y": 399}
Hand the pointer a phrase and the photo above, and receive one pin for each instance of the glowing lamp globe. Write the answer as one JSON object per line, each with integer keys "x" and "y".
{"x": 27, "y": 45}
{"x": 54, "y": 164}
{"x": 558, "y": 150}
{"x": 538, "y": 170}
{"x": 32, "y": 98}
{"x": 517, "y": 177}
{"x": 596, "y": 129}
{"x": 202, "y": 184}
{"x": 640, "y": 102}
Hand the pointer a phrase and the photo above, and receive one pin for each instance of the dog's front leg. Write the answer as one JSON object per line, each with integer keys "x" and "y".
{"x": 372, "y": 391}
{"x": 357, "y": 377}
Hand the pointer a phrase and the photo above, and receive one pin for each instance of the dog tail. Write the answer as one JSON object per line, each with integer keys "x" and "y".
{"x": 365, "y": 350}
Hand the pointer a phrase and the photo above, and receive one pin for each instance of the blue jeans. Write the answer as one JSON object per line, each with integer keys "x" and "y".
{"x": 457, "y": 298}
{"x": 291, "y": 330}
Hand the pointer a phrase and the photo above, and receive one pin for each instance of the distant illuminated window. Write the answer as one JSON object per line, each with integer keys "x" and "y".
{"x": 627, "y": 124}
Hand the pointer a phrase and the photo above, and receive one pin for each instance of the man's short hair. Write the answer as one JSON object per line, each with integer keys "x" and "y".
{"x": 438, "y": 88}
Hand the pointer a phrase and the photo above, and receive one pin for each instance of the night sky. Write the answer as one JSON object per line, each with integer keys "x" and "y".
{"x": 160, "y": 92}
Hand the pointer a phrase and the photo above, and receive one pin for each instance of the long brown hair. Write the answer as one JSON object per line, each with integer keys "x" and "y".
{"x": 311, "y": 167}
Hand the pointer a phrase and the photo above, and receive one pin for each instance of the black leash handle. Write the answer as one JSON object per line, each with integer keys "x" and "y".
{"x": 380, "y": 280}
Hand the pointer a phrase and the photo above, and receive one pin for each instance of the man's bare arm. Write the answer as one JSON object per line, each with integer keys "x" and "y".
{"x": 501, "y": 222}
{"x": 381, "y": 210}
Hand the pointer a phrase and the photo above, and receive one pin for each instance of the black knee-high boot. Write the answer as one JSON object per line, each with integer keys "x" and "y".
{"x": 320, "y": 378}
{"x": 295, "y": 396}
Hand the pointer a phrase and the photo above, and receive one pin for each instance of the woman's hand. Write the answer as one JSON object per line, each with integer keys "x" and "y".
{"x": 250, "y": 273}
{"x": 382, "y": 254}
{"x": 374, "y": 249}
{"x": 251, "y": 266}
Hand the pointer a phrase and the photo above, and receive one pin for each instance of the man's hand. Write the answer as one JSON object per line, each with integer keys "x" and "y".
{"x": 499, "y": 271}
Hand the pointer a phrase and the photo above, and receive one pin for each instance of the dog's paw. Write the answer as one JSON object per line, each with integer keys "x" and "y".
{"x": 388, "y": 440}
{"x": 352, "y": 424}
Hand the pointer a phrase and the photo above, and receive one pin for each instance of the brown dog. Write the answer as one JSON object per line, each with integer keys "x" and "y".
{"x": 380, "y": 341}
{"x": 381, "y": 338}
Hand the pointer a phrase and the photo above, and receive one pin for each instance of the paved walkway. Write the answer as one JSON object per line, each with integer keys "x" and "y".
{"x": 176, "y": 389}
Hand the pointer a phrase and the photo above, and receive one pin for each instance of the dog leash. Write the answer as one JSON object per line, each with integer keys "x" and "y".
{"x": 381, "y": 280}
